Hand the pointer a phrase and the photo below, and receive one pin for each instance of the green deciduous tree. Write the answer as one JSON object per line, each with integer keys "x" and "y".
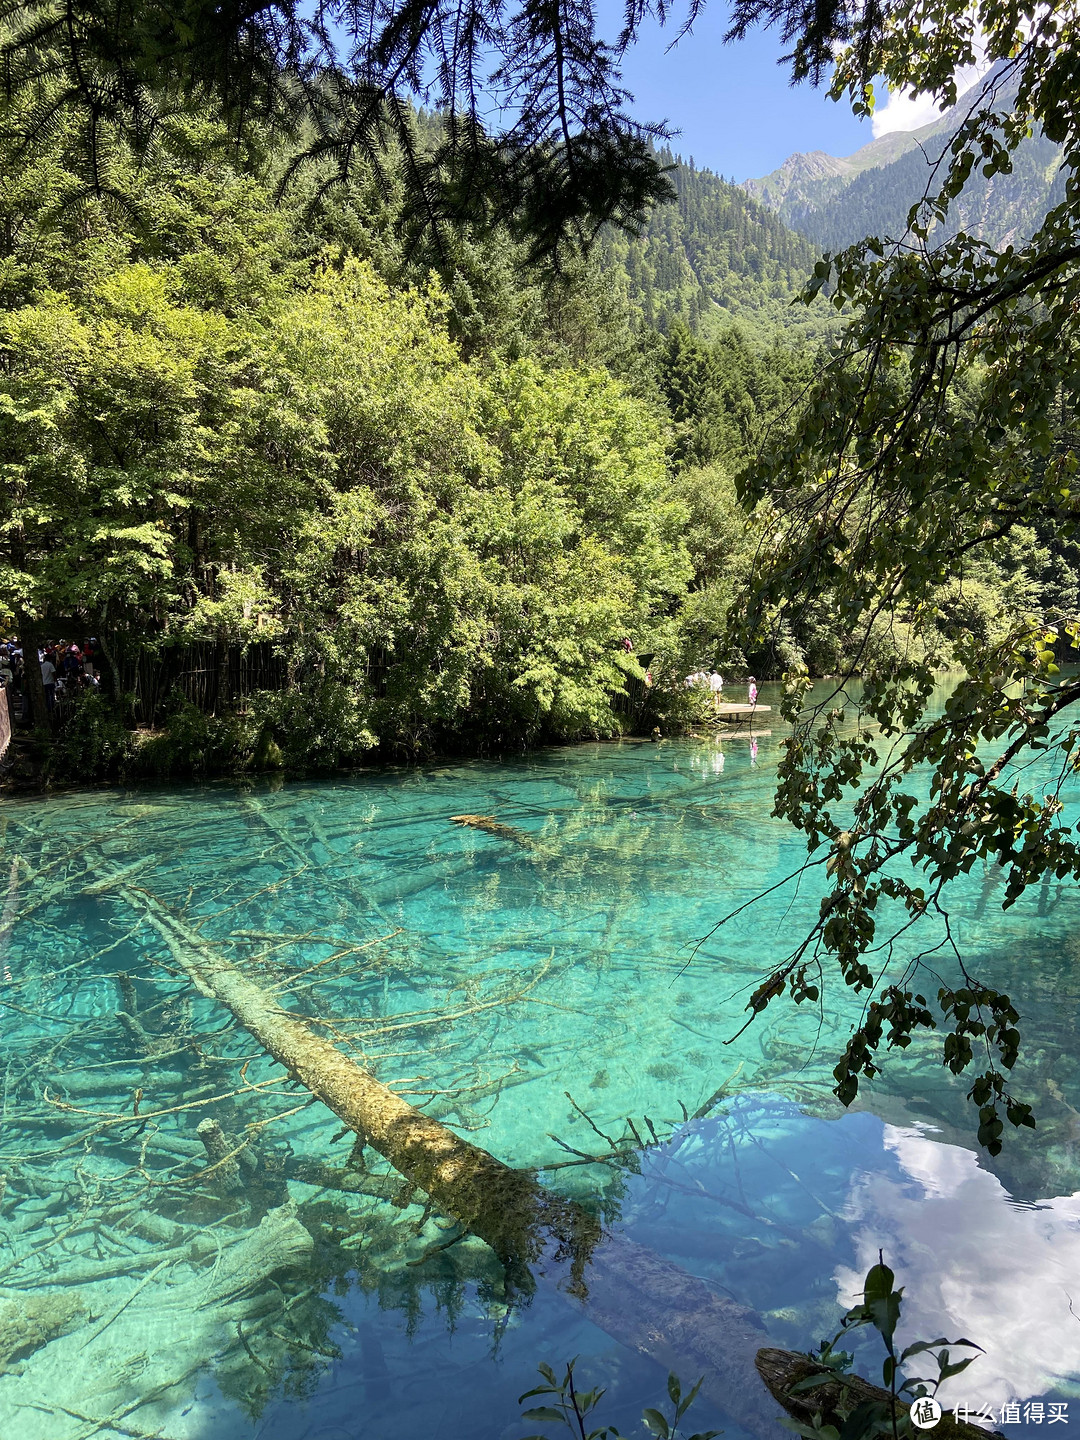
{"x": 213, "y": 443}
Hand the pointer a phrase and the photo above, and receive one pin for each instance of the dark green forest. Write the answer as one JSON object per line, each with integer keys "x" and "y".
{"x": 712, "y": 256}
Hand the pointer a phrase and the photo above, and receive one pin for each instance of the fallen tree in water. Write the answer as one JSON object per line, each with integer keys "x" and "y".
{"x": 501, "y": 831}
{"x": 642, "y": 1300}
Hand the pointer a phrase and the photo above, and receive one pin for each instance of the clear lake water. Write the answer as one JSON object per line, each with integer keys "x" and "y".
{"x": 536, "y": 993}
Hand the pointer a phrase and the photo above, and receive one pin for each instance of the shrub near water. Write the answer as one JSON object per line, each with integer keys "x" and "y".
{"x": 320, "y": 729}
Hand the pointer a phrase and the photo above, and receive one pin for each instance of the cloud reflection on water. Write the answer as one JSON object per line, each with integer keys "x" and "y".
{"x": 974, "y": 1263}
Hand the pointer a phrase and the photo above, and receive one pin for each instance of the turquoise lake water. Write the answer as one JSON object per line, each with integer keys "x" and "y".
{"x": 508, "y": 987}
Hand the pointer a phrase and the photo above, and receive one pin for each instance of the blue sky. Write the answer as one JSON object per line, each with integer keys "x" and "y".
{"x": 734, "y": 106}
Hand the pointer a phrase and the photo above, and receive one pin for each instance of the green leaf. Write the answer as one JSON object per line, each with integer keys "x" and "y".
{"x": 809, "y": 1432}
{"x": 588, "y": 1399}
{"x": 863, "y": 1420}
{"x": 656, "y": 1423}
{"x": 689, "y": 1399}
{"x": 955, "y": 1367}
{"x": 921, "y": 1346}
{"x": 814, "y": 1382}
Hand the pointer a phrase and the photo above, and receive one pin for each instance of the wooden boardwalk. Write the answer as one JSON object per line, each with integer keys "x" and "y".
{"x": 736, "y": 712}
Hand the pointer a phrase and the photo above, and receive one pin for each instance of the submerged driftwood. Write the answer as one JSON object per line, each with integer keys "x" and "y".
{"x": 507, "y": 1208}
{"x": 639, "y": 1298}
{"x": 781, "y": 1369}
{"x": 32, "y": 1321}
{"x": 147, "y": 1336}
{"x": 495, "y": 827}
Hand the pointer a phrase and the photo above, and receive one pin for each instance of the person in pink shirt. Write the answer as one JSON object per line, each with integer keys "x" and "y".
{"x": 753, "y": 690}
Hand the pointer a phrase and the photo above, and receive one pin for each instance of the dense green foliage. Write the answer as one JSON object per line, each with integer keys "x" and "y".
{"x": 213, "y": 433}
{"x": 440, "y": 496}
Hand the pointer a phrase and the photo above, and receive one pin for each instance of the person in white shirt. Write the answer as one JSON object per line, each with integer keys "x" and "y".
{"x": 716, "y": 685}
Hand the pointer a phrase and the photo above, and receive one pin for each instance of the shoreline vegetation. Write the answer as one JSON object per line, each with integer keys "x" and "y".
{"x": 324, "y": 498}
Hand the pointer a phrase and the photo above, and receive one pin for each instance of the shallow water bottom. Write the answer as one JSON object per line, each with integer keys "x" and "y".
{"x": 537, "y": 987}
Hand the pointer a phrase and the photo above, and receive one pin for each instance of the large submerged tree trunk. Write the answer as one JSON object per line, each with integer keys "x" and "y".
{"x": 639, "y": 1298}
{"x": 505, "y": 1207}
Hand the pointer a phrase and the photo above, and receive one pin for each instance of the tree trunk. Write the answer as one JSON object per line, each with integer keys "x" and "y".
{"x": 507, "y": 1208}
{"x": 639, "y": 1298}
{"x": 112, "y": 667}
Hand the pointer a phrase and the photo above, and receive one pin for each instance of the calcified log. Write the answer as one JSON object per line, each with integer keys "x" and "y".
{"x": 640, "y": 1299}
{"x": 495, "y": 827}
{"x": 505, "y": 1207}
{"x": 32, "y": 1321}
{"x": 279, "y": 1242}
{"x": 221, "y": 1152}
{"x": 781, "y": 1369}
{"x": 653, "y": 1306}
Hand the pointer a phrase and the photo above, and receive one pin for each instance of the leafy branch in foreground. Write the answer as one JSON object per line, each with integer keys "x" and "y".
{"x": 943, "y": 429}
{"x": 538, "y": 130}
{"x": 571, "y": 1407}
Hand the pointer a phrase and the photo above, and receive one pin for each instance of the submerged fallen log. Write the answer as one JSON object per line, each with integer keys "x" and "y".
{"x": 495, "y": 827}
{"x": 507, "y": 1208}
{"x": 32, "y": 1321}
{"x": 835, "y": 1400}
{"x": 639, "y": 1298}
{"x": 72, "y": 1378}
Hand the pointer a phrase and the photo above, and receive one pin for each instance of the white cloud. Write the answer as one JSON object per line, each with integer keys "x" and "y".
{"x": 903, "y": 111}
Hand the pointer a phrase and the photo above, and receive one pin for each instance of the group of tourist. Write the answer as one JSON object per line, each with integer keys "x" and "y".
{"x": 714, "y": 682}
{"x": 66, "y": 666}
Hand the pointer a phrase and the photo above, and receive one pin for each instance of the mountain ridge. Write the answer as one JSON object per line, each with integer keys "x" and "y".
{"x": 834, "y": 201}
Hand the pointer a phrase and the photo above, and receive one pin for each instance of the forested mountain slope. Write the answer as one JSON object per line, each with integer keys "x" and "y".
{"x": 835, "y": 201}
{"x": 713, "y": 255}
